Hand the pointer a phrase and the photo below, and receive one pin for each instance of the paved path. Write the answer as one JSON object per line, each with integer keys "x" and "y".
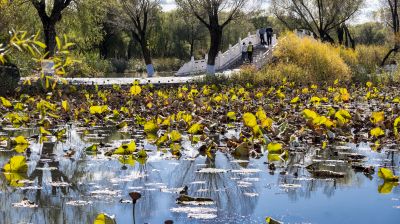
{"x": 126, "y": 81}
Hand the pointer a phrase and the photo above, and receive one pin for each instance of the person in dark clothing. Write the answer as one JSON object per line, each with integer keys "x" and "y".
{"x": 250, "y": 49}
{"x": 269, "y": 32}
{"x": 262, "y": 36}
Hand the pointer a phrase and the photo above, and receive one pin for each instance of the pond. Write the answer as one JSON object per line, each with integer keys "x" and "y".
{"x": 201, "y": 154}
{"x": 244, "y": 190}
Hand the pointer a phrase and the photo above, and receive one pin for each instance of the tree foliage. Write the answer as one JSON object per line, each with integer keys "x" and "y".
{"x": 318, "y": 16}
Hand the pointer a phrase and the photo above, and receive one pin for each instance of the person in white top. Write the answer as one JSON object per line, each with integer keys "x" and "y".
{"x": 244, "y": 52}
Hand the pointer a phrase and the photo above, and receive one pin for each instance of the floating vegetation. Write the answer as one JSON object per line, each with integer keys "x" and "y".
{"x": 217, "y": 152}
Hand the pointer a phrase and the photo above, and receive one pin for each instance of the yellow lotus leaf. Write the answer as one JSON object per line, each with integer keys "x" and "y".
{"x": 135, "y": 90}
{"x": 92, "y": 148}
{"x": 231, "y": 115}
{"x": 15, "y": 179}
{"x": 257, "y": 131}
{"x": 166, "y": 122}
{"x": 142, "y": 154}
{"x": 267, "y": 123}
{"x": 103, "y": 218}
{"x": 5, "y": 102}
{"x": 295, "y": 100}
{"x": 315, "y": 100}
{"x": 19, "y": 107}
{"x": 150, "y": 127}
{"x": 261, "y": 115}
{"x": 124, "y": 110}
{"x": 195, "y": 128}
{"x": 21, "y": 148}
{"x": 274, "y": 147}
{"x": 377, "y": 117}
{"x": 122, "y": 125}
{"x": 218, "y": 99}
{"x": 343, "y": 116}
{"x": 44, "y": 131}
{"x": 175, "y": 149}
{"x": 336, "y": 82}
{"x": 345, "y": 96}
{"x": 270, "y": 220}
{"x": 98, "y": 109}
{"x": 387, "y": 175}
{"x": 175, "y": 136}
{"x": 17, "y": 164}
{"x": 396, "y": 126}
{"x": 65, "y": 105}
{"x": 319, "y": 120}
{"x": 309, "y": 114}
{"x": 324, "y": 144}
{"x": 249, "y": 120}
{"x": 187, "y": 118}
{"x": 161, "y": 140}
{"x": 20, "y": 140}
{"x": 273, "y": 157}
{"x": 377, "y": 132}
{"x": 60, "y": 133}
{"x": 305, "y": 91}
{"x": 126, "y": 149}
{"x": 280, "y": 95}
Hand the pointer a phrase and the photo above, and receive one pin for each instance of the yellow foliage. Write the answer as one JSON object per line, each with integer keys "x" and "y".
{"x": 377, "y": 117}
{"x": 387, "y": 175}
{"x": 314, "y": 61}
{"x": 377, "y": 132}
{"x": 249, "y": 120}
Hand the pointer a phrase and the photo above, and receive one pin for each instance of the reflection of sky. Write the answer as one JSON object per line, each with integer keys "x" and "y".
{"x": 365, "y": 16}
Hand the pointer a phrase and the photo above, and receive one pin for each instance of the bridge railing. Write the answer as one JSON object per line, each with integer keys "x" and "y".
{"x": 223, "y": 59}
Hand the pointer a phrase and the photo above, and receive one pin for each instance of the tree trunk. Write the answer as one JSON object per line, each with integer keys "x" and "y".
{"x": 394, "y": 50}
{"x": 147, "y": 58}
{"x": 146, "y": 54}
{"x": 191, "y": 48}
{"x": 49, "y": 29}
{"x": 340, "y": 33}
{"x": 216, "y": 38}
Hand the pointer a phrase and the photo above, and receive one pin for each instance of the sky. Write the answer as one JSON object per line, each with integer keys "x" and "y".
{"x": 364, "y": 16}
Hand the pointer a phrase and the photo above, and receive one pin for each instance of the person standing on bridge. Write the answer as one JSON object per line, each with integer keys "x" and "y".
{"x": 269, "y": 32}
{"x": 262, "y": 36}
{"x": 244, "y": 52}
{"x": 250, "y": 49}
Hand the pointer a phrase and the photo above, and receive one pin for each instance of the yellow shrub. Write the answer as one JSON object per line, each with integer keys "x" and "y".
{"x": 370, "y": 57}
{"x": 316, "y": 61}
{"x": 349, "y": 55}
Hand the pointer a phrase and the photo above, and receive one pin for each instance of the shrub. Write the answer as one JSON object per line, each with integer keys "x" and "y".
{"x": 92, "y": 66}
{"x": 119, "y": 65}
{"x": 313, "y": 60}
{"x": 370, "y": 57}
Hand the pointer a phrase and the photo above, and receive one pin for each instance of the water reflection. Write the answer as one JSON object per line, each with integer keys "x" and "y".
{"x": 75, "y": 189}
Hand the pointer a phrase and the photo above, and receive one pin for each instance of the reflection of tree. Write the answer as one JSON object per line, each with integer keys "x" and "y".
{"x": 297, "y": 174}
{"x": 221, "y": 187}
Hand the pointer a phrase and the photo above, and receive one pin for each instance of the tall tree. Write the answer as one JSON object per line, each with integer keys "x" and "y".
{"x": 215, "y": 15}
{"x": 141, "y": 15}
{"x": 50, "y": 12}
{"x": 321, "y": 17}
{"x": 391, "y": 10}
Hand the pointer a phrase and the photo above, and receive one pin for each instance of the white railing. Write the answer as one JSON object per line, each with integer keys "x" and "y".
{"x": 223, "y": 60}
{"x": 262, "y": 59}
